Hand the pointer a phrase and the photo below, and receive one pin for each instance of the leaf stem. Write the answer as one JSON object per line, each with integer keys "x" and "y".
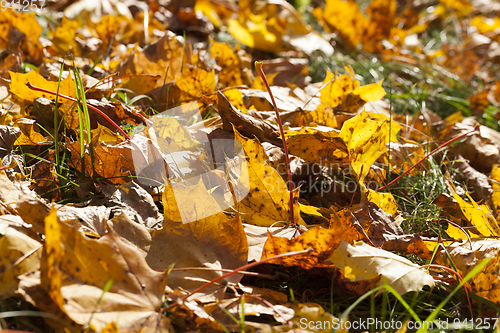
{"x": 32, "y": 87}
{"x": 258, "y": 67}
{"x": 427, "y": 156}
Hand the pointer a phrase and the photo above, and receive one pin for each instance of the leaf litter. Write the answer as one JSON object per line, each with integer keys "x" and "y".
{"x": 105, "y": 233}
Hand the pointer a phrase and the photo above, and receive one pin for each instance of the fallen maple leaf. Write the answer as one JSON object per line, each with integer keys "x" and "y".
{"x": 20, "y": 253}
{"x": 366, "y": 141}
{"x": 323, "y": 242}
{"x": 18, "y": 86}
{"x": 208, "y": 240}
{"x": 26, "y": 30}
{"x": 265, "y": 199}
{"x": 134, "y": 292}
{"x": 468, "y": 254}
{"x": 360, "y": 262}
{"x": 323, "y": 146}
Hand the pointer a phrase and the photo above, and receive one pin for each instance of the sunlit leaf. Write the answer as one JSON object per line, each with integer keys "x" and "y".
{"x": 268, "y": 199}
{"x": 136, "y": 291}
{"x": 20, "y": 254}
{"x": 323, "y": 241}
{"x": 18, "y": 86}
{"x": 365, "y": 140}
{"x": 361, "y": 262}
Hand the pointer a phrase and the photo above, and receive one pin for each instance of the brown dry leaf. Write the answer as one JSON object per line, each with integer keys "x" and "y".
{"x": 111, "y": 161}
{"x": 351, "y": 229}
{"x": 289, "y": 71}
{"x": 360, "y": 262}
{"x": 260, "y": 100}
{"x": 44, "y": 179}
{"x": 465, "y": 258}
{"x": 383, "y": 231}
{"x": 479, "y": 102}
{"x": 322, "y": 241}
{"x": 246, "y": 125}
{"x": 117, "y": 111}
{"x": 117, "y": 161}
{"x": 209, "y": 240}
{"x": 8, "y": 135}
{"x": 135, "y": 293}
{"x": 478, "y": 184}
{"x": 20, "y": 253}
{"x": 481, "y": 153}
{"x": 190, "y": 315}
{"x": 29, "y": 207}
{"x": 135, "y": 202}
{"x": 155, "y": 59}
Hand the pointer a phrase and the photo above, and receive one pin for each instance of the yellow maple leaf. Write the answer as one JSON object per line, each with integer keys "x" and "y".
{"x": 264, "y": 27}
{"x": 495, "y": 184}
{"x": 180, "y": 206}
{"x": 64, "y": 37}
{"x": 344, "y": 17}
{"x": 235, "y": 97}
{"x": 479, "y": 215}
{"x": 337, "y": 87}
{"x": 28, "y": 134}
{"x": 268, "y": 199}
{"x": 366, "y": 141}
{"x": 323, "y": 115}
{"x": 253, "y": 148}
{"x": 230, "y": 73}
{"x": 324, "y": 242}
{"x": 194, "y": 82}
{"x": 484, "y": 24}
{"x": 316, "y": 146}
{"x": 384, "y": 200}
{"x": 25, "y": 23}
{"x": 370, "y": 92}
{"x": 18, "y": 86}
{"x": 75, "y": 269}
{"x": 458, "y": 233}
